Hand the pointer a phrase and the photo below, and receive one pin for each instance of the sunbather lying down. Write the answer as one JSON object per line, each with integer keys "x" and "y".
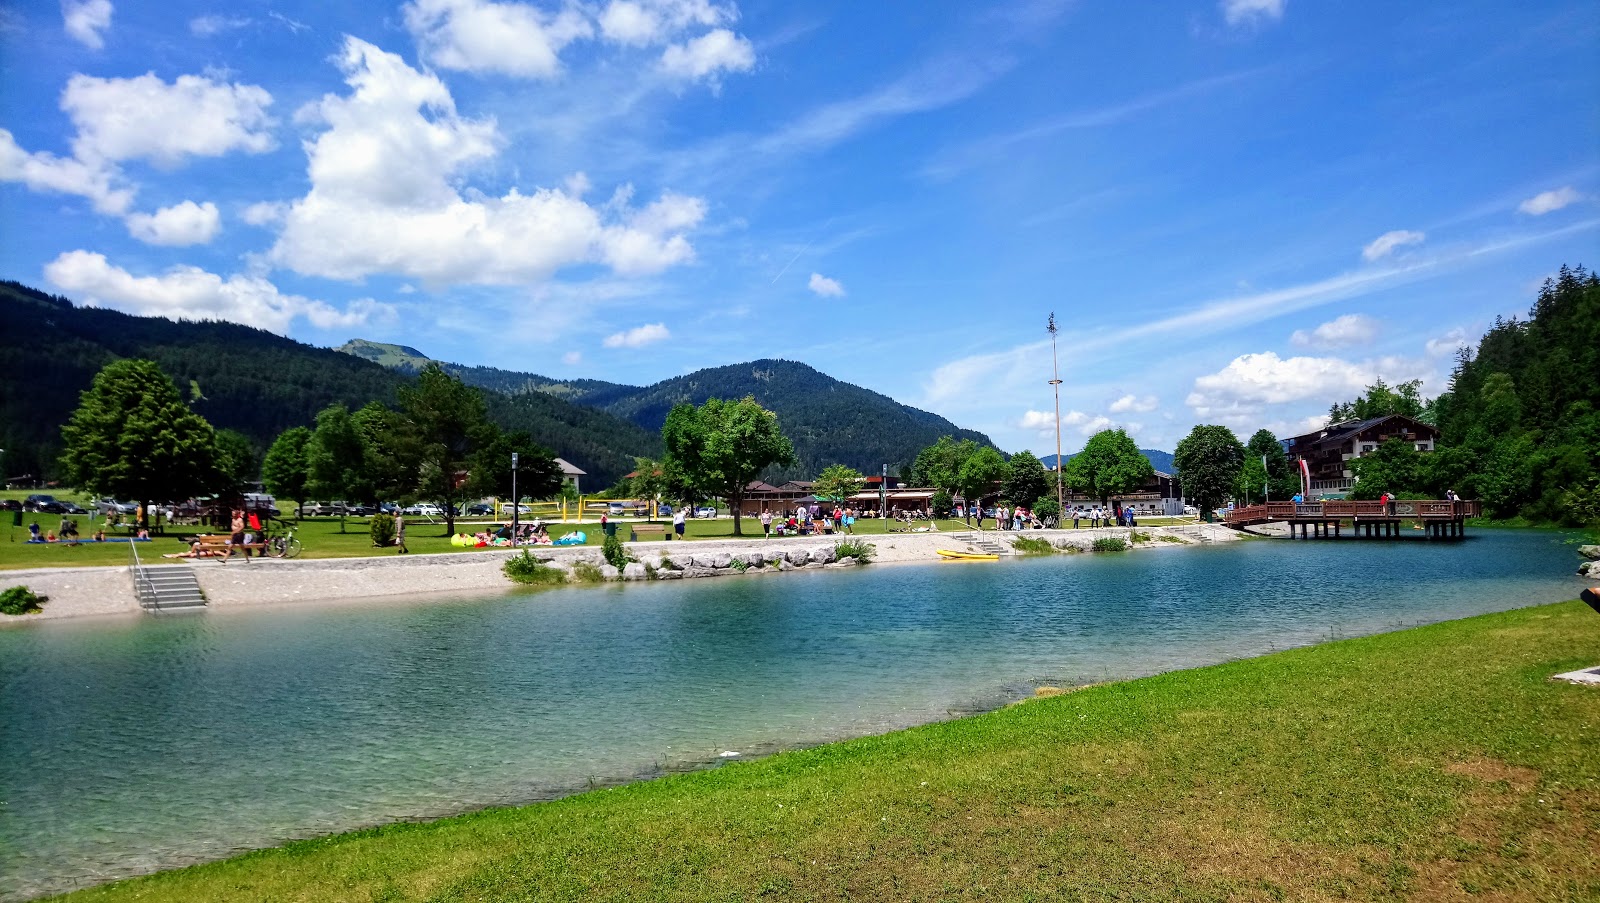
{"x": 195, "y": 551}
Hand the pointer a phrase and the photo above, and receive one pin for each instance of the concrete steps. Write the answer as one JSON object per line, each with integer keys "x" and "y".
{"x": 168, "y": 588}
{"x": 984, "y": 543}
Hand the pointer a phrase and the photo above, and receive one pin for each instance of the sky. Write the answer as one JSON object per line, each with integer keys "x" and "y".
{"x": 1238, "y": 211}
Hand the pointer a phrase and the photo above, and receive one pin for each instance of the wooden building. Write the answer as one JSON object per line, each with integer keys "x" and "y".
{"x": 1329, "y": 451}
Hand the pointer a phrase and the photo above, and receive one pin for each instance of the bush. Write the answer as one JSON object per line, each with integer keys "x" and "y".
{"x": 860, "y": 551}
{"x": 584, "y": 572}
{"x": 1137, "y": 536}
{"x": 615, "y": 554}
{"x": 1045, "y": 509}
{"x": 525, "y": 568}
{"x": 19, "y": 600}
{"x": 1111, "y": 544}
{"x": 941, "y": 503}
{"x": 1028, "y": 545}
{"x": 382, "y": 530}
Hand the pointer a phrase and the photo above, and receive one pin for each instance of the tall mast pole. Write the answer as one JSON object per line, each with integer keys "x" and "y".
{"x": 1055, "y": 370}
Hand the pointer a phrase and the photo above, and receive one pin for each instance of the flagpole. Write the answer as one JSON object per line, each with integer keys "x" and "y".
{"x": 1055, "y": 370}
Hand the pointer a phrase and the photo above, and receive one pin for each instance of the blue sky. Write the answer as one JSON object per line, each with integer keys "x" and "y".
{"x": 1239, "y": 211}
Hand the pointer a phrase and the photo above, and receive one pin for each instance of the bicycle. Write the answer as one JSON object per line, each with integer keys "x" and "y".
{"x": 286, "y": 545}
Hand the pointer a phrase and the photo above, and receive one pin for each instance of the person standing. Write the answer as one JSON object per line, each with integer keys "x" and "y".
{"x": 766, "y": 523}
{"x": 400, "y": 534}
{"x": 678, "y": 516}
{"x": 237, "y": 530}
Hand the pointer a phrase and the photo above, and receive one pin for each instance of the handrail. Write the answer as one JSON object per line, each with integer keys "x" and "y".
{"x": 142, "y": 587}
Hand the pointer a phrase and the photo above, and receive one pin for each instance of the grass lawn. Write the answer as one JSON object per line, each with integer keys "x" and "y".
{"x": 1430, "y": 764}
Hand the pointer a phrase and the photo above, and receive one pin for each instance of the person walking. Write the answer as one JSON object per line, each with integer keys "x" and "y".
{"x": 766, "y": 523}
{"x": 678, "y": 515}
{"x": 400, "y": 534}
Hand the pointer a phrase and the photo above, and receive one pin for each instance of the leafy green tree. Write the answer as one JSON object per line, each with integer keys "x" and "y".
{"x": 1381, "y": 400}
{"x": 337, "y": 466}
{"x": 133, "y": 437}
{"x": 538, "y": 474}
{"x": 721, "y": 446}
{"x": 236, "y": 461}
{"x": 838, "y": 482}
{"x": 1208, "y": 461}
{"x": 1283, "y": 478}
{"x": 981, "y": 475}
{"x": 1395, "y": 466}
{"x": 446, "y": 421}
{"x": 1110, "y": 464}
{"x": 1028, "y": 481}
{"x": 649, "y": 480}
{"x": 939, "y": 465}
{"x": 284, "y": 470}
{"x": 392, "y": 464}
{"x": 1253, "y": 481}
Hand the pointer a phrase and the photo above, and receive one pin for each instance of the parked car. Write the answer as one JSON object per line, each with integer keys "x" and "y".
{"x": 663, "y": 510}
{"x": 71, "y": 508}
{"x": 424, "y": 509}
{"x": 112, "y": 506}
{"x": 10, "y": 505}
{"x": 705, "y": 511}
{"x": 359, "y": 510}
{"x": 480, "y": 509}
{"x": 46, "y": 504}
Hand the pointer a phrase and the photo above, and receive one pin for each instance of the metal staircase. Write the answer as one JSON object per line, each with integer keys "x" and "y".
{"x": 169, "y": 588}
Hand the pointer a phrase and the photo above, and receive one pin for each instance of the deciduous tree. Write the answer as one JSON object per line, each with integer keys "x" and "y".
{"x": 447, "y": 422}
{"x": 838, "y": 482}
{"x": 981, "y": 475}
{"x": 1208, "y": 461}
{"x": 284, "y": 470}
{"x": 721, "y": 446}
{"x": 538, "y": 474}
{"x": 1110, "y": 464}
{"x": 939, "y": 465}
{"x": 1028, "y": 481}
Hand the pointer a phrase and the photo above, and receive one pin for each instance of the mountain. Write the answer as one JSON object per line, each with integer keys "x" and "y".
{"x": 240, "y": 378}
{"x": 409, "y": 360}
{"x": 1160, "y": 460}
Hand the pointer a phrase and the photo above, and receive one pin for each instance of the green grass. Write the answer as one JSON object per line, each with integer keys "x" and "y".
{"x": 1435, "y": 763}
{"x": 1029, "y": 545}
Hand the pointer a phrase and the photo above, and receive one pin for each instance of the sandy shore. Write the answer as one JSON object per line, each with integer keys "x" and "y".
{"x": 105, "y": 591}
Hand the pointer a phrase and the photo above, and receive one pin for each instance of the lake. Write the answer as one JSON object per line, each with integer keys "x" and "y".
{"x": 150, "y": 742}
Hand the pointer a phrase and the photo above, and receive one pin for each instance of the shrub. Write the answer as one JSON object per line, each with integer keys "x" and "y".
{"x": 1029, "y": 545}
{"x": 852, "y": 548}
{"x": 1110, "y": 544}
{"x": 19, "y": 600}
{"x": 525, "y": 568}
{"x": 1045, "y": 509}
{"x": 941, "y": 503}
{"x": 739, "y": 565}
{"x": 1137, "y": 536}
{"x": 584, "y": 572}
{"x": 1167, "y": 537}
{"x": 615, "y": 554}
{"x": 382, "y": 530}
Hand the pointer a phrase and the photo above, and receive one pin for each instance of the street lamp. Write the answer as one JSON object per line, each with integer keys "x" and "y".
{"x": 516, "y": 504}
{"x": 1055, "y": 369}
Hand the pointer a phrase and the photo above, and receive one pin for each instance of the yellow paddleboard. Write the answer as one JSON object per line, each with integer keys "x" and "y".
{"x": 952, "y": 555}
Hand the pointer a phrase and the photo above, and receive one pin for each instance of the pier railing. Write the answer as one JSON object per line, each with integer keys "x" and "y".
{"x": 1426, "y": 509}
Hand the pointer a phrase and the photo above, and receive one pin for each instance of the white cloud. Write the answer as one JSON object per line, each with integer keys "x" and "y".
{"x": 1253, "y": 380}
{"x": 1087, "y": 424}
{"x": 1037, "y": 420}
{"x": 482, "y": 36}
{"x": 384, "y": 196}
{"x": 100, "y": 183}
{"x": 180, "y": 225}
{"x": 572, "y": 358}
{"x": 640, "y": 23}
{"x": 146, "y": 118}
{"x": 1342, "y": 332}
{"x": 827, "y": 288}
{"x": 190, "y": 292}
{"x": 1550, "y": 201}
{"x": 1385, "y": 244}
{"x": 714, "y": 52}
{"x": 85, "y": 19}
{"x": 1446, "y": 345}
{"x": 1134, "y": 403}
{"x": 265, "y": 213}
{"x": 1252, "y": 12}
{"x": 638, "y": 337}
{"x": 213, "y": 25}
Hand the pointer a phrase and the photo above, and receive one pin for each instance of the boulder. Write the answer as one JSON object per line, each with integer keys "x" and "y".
{"x": 824, "y": 554}
{"x": 697, "y": 571}
{"x": 755, "y": 558}
{"x": 1590, "y": 552}
{"x": 796, "y": 557}
{"x": 848, "y": 561}
{"x": 669, "y": 575}
{"x": 784, "y": 565}
{"x": 721, "y": 560}
{"x": 634, "y": 570}
{"x": 609, "y": 572}
{"x": 1589, "y": 569}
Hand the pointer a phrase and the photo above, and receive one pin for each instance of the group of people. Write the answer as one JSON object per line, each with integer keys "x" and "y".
{"x": 1097, "y": 516}
{"x": 809, "y": 519}
{"x": 531, "y": 534}
{"x": 67, "y": 533}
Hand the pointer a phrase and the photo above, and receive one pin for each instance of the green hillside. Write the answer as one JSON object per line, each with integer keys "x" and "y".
{"x": 240, "y": 378}
{"x": 409, "y": 360}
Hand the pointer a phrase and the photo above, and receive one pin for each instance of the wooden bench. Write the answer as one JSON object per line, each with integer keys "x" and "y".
{"x": 216, "y": 545}
{"x": 650, "y": 529}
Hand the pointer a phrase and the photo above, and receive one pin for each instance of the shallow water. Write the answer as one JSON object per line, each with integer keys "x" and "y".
{"x": 145, "y": 743}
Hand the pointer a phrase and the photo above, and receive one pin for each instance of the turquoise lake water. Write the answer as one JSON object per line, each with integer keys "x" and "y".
{"x": 150, "y": 742}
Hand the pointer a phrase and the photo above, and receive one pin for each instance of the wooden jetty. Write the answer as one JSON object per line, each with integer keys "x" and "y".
{"x": 1440, "y": 518}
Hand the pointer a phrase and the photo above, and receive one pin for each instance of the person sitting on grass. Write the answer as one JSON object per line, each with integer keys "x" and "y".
{"x": 33, "y": 532}
{"x": 197, "y": 551}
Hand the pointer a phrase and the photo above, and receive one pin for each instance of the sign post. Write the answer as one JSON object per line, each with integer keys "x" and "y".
{"x": 516, "y": 503}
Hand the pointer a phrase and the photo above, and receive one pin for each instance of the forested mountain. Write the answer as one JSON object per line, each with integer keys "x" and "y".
{"x": 240, "y": 378}
{"x": 1158, "y": 459}
{"x": 409, "y": 360}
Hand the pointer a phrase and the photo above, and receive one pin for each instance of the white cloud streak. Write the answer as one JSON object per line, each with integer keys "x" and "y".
{"x": 84, "y": 20}
{"x": 1388, "y": 242}
{"x": 1342, "y": 332}
{"x": 1242, "y": 13}
{"x": 638, "y": 337}
{"x": 1550, "y": 201}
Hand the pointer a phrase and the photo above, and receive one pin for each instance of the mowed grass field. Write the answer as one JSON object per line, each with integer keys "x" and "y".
{"x": 1438, "y": 763}
{"x": 322, "y": 537}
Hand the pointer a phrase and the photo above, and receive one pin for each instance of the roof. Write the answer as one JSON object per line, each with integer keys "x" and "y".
{"x": 568, "y": 470}
{"x": 1335, "y": 432}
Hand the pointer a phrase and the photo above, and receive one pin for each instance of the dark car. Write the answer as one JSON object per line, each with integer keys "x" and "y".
{"x": 359, "y": 510}
{"x": 10, "y": 505}
{"x": 44, "y": 504}
{"x": 479, "y": 510}
{"x": 70, "y": 508}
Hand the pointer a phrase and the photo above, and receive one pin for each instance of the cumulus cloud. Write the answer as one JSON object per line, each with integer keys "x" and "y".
{"x": 1550, "y": 201}
{"x": 384, "y": 196}
{"x": 482, "y": 36}
{"x": 103, "y": 185}
{"x": 147, "y": 118}
{"x": 638, "y": 337}
{"x": 85, "y": 19}
{"x": 192, "y": 293}
{"x": 1037, "y": 420}
{"x": 179, "y": 226}
{"x": 264, "y": 213}
{"x": 1134, "y": 403}
{"x": 1252, "y": 12}
{"x": 709, "y": 55}
{"x": 1087, "y": 424}
{"x": 1446, "y": 345}
{"x": 641, "y": 23}
{"x": 1253, "y": 380}
{"x": 1342, "y": 332}
{"x": 827, "y": 288}
{"x": 213, "y": 25}
{"x": 1385, "y": 244}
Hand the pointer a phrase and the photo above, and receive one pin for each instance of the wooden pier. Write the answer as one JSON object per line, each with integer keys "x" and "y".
{"x": 1440, "y": 518}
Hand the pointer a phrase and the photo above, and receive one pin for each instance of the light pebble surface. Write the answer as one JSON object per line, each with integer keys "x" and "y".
{"x": 79, "y": 592}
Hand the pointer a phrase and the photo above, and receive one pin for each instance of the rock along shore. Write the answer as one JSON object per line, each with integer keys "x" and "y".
{"x": 88, "y": 591}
